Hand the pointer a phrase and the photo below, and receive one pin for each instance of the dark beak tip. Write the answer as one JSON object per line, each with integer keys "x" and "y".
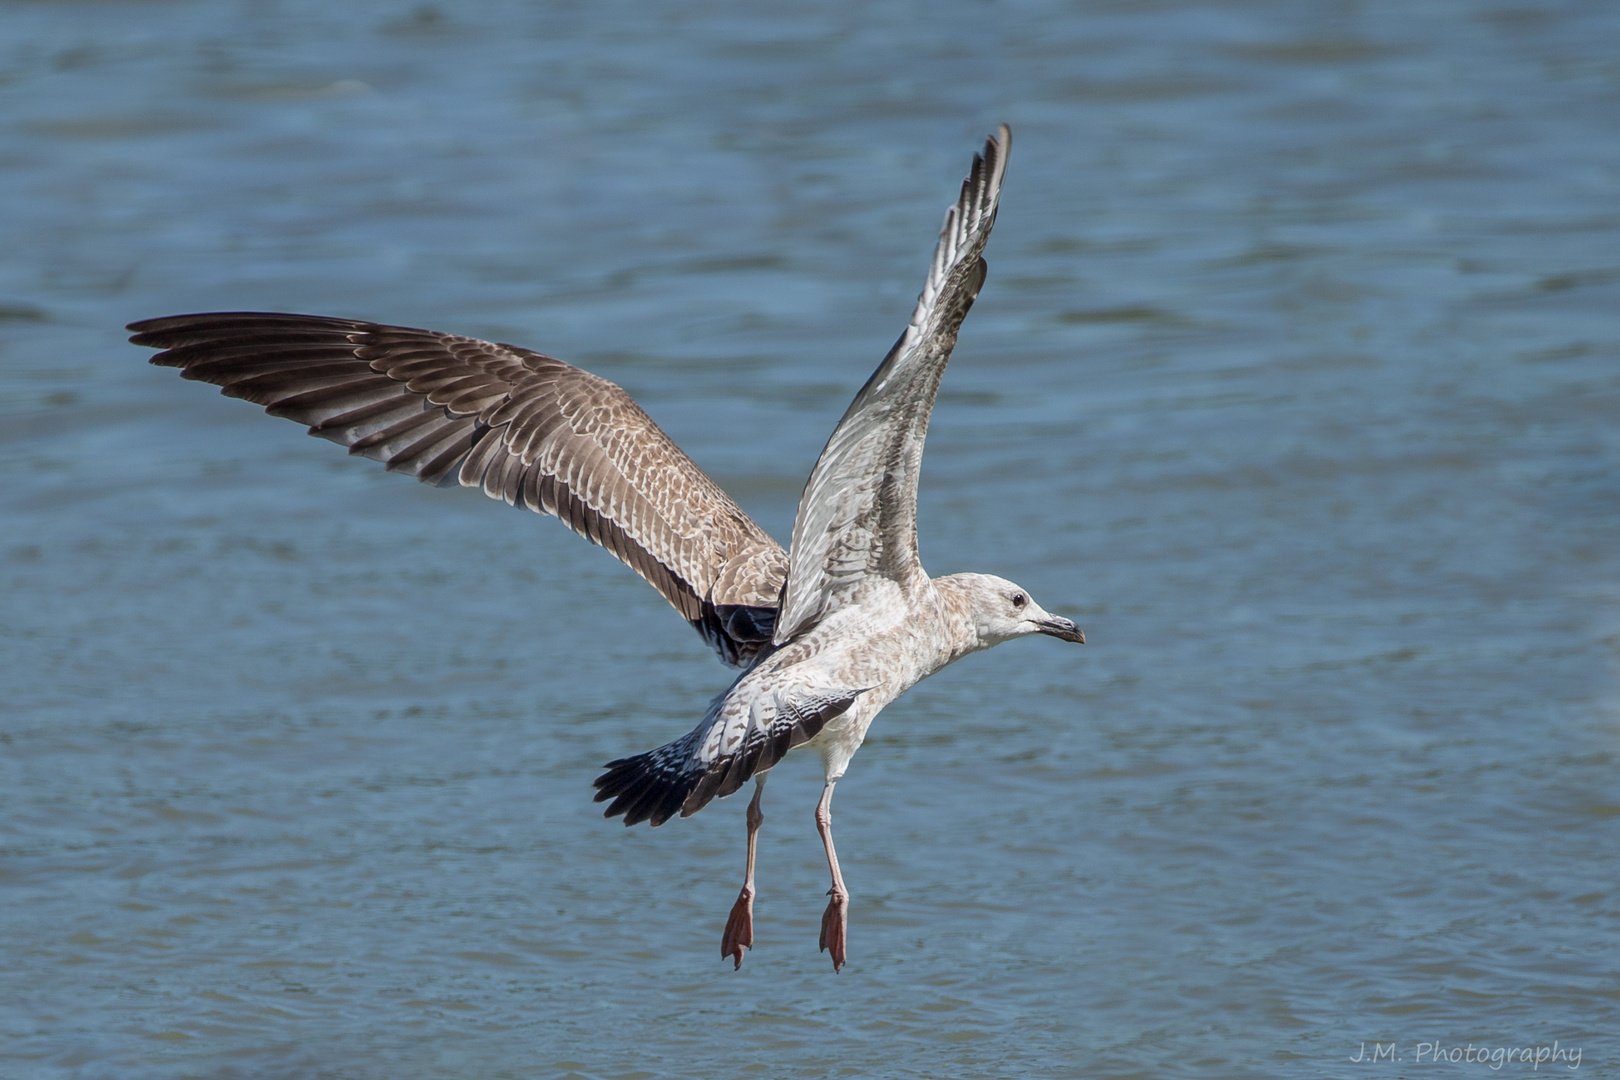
{"x": 1064, "y": 630}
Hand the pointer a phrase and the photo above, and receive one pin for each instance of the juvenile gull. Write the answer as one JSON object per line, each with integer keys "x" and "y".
{"x": 826, "y": 633}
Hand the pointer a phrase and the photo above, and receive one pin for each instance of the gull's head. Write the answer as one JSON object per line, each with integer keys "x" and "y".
{"x": 1002, "y": 610}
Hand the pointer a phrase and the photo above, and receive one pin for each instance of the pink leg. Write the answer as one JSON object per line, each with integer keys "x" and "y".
{"x": 835, "y": 920}
{"x": 739, "y": 935}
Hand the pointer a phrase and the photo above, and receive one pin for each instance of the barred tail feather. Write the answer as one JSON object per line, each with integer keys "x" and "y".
{"x": 651, "y": 786}
{"x": 677, "y": 779}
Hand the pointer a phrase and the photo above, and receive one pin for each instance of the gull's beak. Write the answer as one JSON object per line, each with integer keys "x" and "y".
{"x": 1061, "y": 628}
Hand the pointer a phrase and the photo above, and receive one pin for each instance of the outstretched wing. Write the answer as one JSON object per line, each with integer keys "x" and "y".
{"x": 858, "y": 514}
{"x": 737, "y": 738}
{"x": 524, "y": 427}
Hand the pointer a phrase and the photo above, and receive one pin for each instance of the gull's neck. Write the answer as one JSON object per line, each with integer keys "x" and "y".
{"x": 956, "y": 616}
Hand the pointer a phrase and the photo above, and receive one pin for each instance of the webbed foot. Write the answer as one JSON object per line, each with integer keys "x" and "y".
{"x": 835, "y": 926}
{"x": 739, "y": 935}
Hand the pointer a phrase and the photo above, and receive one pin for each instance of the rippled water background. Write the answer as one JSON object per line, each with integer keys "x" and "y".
{"x": 1294, "y": 382}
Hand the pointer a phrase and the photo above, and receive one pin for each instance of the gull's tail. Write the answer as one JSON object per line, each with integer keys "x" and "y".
{"x": 740, "y": 736}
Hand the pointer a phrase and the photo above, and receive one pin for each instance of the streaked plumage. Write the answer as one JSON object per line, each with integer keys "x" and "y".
{"x": 523, "y": 427}
{"x": 827, "y": 633}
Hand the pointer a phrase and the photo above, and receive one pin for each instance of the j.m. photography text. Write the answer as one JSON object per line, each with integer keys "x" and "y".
{"x": 1493, "y": 1057}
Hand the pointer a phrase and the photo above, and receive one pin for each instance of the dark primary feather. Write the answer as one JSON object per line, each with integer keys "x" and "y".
{"x": 676, "y": 778}
{"x": 524, "y": 427}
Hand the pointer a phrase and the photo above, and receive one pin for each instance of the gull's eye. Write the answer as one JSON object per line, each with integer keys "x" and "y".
{"x": 1019, "y": 599}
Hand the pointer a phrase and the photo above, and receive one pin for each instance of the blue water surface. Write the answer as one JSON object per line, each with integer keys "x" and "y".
{"x": 1294, "y": 382}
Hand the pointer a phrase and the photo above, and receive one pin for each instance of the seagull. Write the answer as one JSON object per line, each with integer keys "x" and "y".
{"x": 825, "y": 634}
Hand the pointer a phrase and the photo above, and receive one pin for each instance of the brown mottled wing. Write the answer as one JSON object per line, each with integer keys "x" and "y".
{"x": 858, "y": 514}
{"x": 524, "y": 427}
